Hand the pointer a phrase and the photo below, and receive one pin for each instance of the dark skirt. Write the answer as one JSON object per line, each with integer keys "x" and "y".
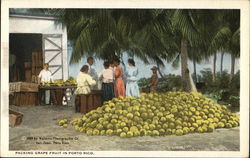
{"x": 108, "y": 91}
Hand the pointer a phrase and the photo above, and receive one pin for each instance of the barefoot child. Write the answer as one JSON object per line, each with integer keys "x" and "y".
{"x": 154, "y": 80}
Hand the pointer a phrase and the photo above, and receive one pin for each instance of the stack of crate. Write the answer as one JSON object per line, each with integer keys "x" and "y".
{"x": 25, "y": 93}
{"x": 37, "y": 63}
{"x": 33, "y": 68}
{"x": 27, "y": 71}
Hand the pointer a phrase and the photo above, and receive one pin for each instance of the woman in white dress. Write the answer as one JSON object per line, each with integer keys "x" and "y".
{"x": 132, "y": 88}
{"x": 84, "y": 81}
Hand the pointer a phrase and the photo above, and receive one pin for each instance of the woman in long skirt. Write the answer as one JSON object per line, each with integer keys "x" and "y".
{"x": 132, "y": 88}
{"x": 107, "y": 77}
{"x": 119, "y": 84}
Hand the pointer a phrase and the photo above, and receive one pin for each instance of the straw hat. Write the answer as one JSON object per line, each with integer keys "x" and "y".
{"x": 154, "y": 68}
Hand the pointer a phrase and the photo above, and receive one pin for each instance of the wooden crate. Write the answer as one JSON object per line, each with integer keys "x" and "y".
{"x": 38, "y": 70}
{"x": 11, "y": 98}
{"x": 25, "y": 98}
{"x": 28, "y": 76}
{"x": 40, "y": 60}
{"x": 23, "y": 87}
{"x": 86, "y": 103}
{"x": 37, "y": 62}
{"x": 27, "y": 64}
{"x": 35, "y": 79}
{"x": 15, "y": 118}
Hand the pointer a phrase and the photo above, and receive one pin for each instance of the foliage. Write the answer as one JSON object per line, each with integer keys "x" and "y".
{"x": 170, "y": 82}
{"x": 221, "y": 89}
{"x": 107, "y": 33}
{"x": 152, "y": 34}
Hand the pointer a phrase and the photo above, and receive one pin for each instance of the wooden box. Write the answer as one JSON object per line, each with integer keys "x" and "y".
{"x": 23, "y": 87}
{"x": 28, "y": 76}
{"x": 37, "y": 63}
{"x": 15, "y": 118}
{"x": 27, "y": 64}
{"x": 25, "y": 98}
{"x": 35, "y": 79}
{"x": 86, "y": 103}
{"x": 38, "y": 70}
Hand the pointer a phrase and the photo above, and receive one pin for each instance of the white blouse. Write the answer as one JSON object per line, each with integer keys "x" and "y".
{"x": 107, "y": 75}
{"x": 45, "y": 76}
{"x": 84, "y": 82}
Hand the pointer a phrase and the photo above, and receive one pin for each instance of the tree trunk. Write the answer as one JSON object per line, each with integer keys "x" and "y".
{"x": 124, "y": 70}
{"x": 232, "y": 67}
{"x": 221, "y": 62}
{"x": 195, "y": 75}
{"x": 122, "y": 62}
{"x": 214, "y": 66}
{"x": 158, "y": 67}
{"x": 187, "y": 81}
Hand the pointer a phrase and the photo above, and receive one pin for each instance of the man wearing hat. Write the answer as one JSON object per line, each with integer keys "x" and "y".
{"x": 154, "y": 80}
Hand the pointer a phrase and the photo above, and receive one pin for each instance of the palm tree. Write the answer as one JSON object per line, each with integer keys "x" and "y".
{"x": 234, "y": 40}
{"x": 227, "y": 38}
{"x": 151, "y": 35}
{"x": 186, "y": 26}
{"x": 196, "y": 57}
{"x": 214, "y": 66}
{"x": 221, "y": 62}
{"x": 110, "y": 32}
{"x": 199, "y": 30}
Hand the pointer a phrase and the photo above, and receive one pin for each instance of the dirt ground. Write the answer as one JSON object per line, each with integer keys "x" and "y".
{"x": 39, "y": 131}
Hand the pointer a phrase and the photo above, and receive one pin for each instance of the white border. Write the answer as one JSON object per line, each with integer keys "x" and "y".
{"x": 216, "y": 4}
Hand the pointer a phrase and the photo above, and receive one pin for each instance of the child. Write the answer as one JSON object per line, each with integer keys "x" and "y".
{"x": 84, "y": 81}
{"x": 154, "y": 80}
{"x": 46, "y": 76}
{"x": 107, "y": 77}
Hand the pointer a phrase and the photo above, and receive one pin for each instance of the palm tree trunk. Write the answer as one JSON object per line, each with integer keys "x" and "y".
{"x": 232, "y": 66}
{"x": 124, "y": 70}
{"x": 214, "y": 66}
{"x": 159, "y": 70}
{"x": 221, "y": 62}
{"x": 195, "y": 75}
{"x": 187, "y": 81}
{"x": 122, "y": 62}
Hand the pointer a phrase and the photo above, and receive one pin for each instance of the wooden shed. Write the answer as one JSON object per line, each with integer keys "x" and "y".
{"x": 35, "y": 39}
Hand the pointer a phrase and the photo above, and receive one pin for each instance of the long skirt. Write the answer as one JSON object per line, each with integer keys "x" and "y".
{"x": 132, "y": 89}
{"x": 108, "y": 91}
{"x": 119, "y": 87}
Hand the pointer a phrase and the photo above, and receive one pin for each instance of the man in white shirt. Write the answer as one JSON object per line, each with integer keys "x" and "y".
{"x": 92, "y": 72}
{"x": 46, "y": 76}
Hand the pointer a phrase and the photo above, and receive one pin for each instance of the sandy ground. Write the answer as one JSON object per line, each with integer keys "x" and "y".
{"x": 39, "y": 131}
